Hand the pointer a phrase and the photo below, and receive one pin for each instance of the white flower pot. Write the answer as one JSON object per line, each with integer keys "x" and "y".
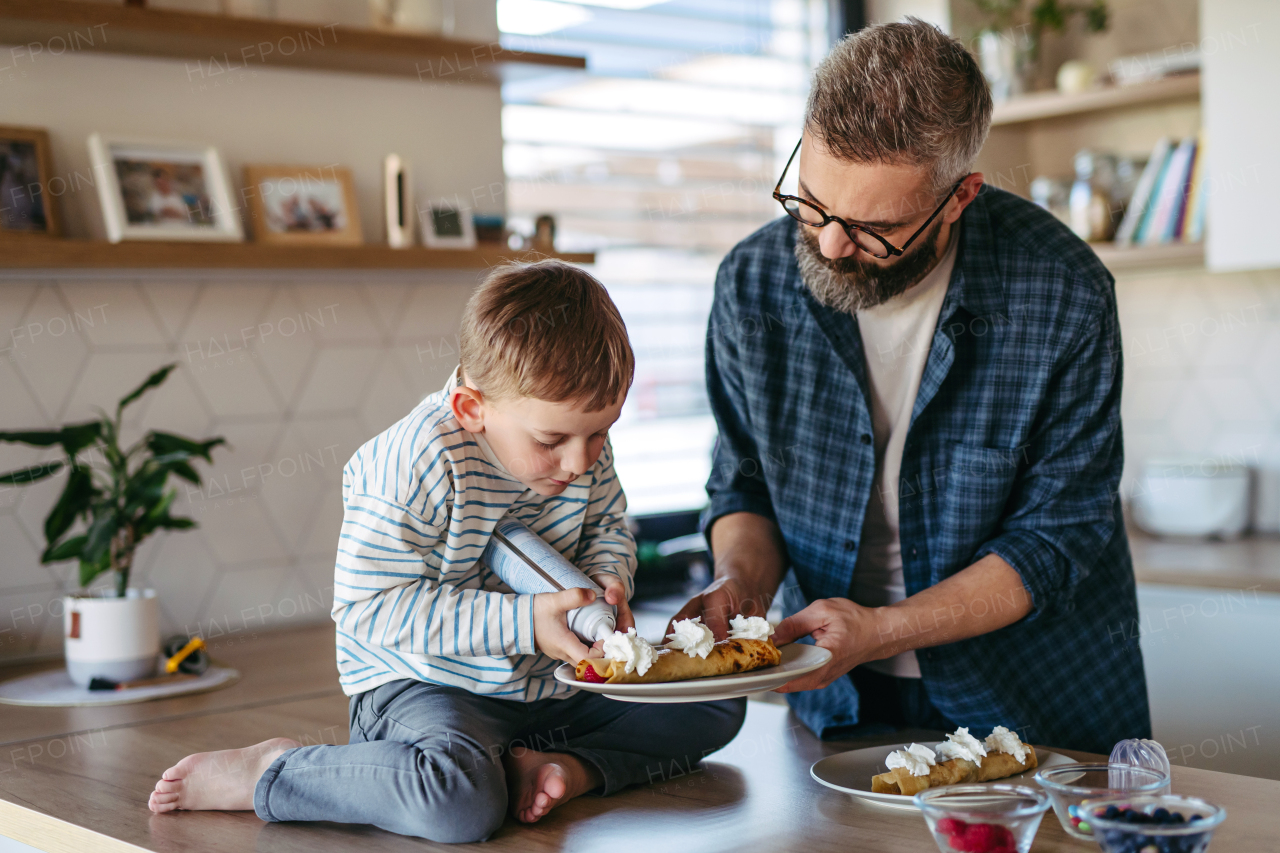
{"x": 115, "y": 638}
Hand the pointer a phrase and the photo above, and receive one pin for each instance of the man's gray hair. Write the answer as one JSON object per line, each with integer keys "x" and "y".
{"x": 902, "y": 93}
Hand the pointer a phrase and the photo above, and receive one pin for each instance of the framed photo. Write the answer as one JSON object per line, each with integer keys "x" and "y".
{"x": 447, "y": 227}
{"x": 27, "y": 206}
{"x": 163, "y": 191}
{"x": 303, "y": 205}
{"x": 397, "y": 194}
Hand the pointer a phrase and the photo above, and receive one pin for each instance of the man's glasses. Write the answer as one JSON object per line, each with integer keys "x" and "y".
{"x": 863, "y": 237}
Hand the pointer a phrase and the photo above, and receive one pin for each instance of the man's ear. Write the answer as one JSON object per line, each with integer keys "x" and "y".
{"x": 967, "y": 192}
{"x": 468, "y": 407}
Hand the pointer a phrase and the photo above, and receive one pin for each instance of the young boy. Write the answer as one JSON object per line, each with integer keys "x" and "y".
{"x": 455, "y": 716}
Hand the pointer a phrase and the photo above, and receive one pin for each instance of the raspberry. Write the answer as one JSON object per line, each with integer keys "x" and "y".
{"x": 590, "y": 674}
{"x": 951, "y": 826}
{"x": 1004, "y": 838}
{"x": 981, "y": 838}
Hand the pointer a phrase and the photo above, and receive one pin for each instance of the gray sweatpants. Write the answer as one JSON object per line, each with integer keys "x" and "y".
{"x": 426, "y": 760}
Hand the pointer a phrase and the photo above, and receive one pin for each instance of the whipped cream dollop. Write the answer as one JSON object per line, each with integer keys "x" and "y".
{"x": 1003, "y": 740}
{"x": 635, "y": 652}
{"x": 961, "y": 744}
{"x": 917, "y": 759}
{"x": 691, "y": 637}
{"x": 749, "y": 628}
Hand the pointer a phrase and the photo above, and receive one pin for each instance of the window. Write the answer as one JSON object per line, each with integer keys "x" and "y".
{"x": 660, "y": 158}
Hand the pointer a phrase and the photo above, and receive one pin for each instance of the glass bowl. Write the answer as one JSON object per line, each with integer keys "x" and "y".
{"x": 1072, "y": 786}
{"x": 1116, "y": 835}
{"x": 983, "y": 818}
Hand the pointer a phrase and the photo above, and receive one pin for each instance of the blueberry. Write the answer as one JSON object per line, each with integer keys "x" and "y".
{"x": 1178, "y": 818}
{"x": 1161, "y": 815}
{"x": 1111, "y": 812}
{"x": 1194, "y": 818}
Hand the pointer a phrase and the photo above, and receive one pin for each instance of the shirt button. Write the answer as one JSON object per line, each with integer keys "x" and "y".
{"x": 866, "y": 438}
{"x": 850, "y": 544}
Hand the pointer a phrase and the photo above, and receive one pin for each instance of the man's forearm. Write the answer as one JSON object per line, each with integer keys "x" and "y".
{"x": 748, "y": 548}
{"x": 982, "y": 598}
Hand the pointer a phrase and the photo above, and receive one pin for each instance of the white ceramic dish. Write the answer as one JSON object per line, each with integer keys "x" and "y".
{"x": 851, "y": 773}
{"x": 796, "y": 660}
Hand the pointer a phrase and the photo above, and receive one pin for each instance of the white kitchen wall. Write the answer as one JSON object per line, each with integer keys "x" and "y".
{"x": 450, "y": 133}
{"x": 1241, "y": 47}
{"x": 1201, "y": 382}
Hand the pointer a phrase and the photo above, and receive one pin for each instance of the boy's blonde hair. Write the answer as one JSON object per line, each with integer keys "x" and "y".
{"x": 546, "y": 330}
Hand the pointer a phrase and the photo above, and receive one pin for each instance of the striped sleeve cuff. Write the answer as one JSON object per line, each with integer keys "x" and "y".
{"x": 525, "y": 642}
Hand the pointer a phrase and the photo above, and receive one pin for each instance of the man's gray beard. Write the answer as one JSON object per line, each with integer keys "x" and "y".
{"x": 851, "y": 285}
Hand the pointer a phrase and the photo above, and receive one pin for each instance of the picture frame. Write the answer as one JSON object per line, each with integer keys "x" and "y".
{"x": 397, "y": 194}
{"x": 303, "y": 205}
{"x": 28, "y": 206}
{"x": 162, "y": 190}
{"x": 445, "y": 226}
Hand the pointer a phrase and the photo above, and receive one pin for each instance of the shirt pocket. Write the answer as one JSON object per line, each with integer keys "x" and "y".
{"x": 976, "y": 484}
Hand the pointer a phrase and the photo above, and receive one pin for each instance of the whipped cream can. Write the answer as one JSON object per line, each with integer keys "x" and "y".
{"x": 527, "y": 564}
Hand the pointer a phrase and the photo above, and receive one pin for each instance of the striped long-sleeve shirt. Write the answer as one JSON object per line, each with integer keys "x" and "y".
{"x": 411, "y": 597}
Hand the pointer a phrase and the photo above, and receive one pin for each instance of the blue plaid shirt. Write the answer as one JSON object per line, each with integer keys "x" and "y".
{"x": 1014, "y": 449}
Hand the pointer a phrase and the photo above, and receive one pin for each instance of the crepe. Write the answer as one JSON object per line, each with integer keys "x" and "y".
{"x": 998, "y": 765}
{"x": 725, "y": 658}
{"x": 995, "y": 765}
{"x": 900, "y": 781}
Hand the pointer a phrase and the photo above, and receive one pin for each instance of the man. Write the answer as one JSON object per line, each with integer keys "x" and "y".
{"x": 917, "y": 384}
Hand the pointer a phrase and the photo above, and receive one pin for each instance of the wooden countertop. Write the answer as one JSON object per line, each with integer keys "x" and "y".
{"x": 69, "y": 793}
{"x": 1250, "y": 563}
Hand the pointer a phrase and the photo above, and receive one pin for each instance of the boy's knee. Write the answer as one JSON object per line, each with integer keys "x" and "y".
{"x": 474, "y": 820}
{"x": 467, "y": 793}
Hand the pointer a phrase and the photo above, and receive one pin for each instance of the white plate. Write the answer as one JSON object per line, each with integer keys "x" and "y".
{"x": 851, "y": 773}
{"x": 797, "y": 659}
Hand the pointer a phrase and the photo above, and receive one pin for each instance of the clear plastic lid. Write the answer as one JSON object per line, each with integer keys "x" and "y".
{"x": 1143, "y": 752}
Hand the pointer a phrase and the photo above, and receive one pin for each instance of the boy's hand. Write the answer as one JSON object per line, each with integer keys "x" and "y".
{"x": 551, "y": 632}
{"x": 616, "y": 594}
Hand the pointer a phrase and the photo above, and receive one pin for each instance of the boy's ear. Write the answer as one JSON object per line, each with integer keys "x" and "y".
{"x": 468, "y": 408}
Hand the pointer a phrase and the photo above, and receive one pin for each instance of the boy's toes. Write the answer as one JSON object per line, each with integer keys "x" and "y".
{"x": 168, "y": 786}
{"x": 162, "y": 802}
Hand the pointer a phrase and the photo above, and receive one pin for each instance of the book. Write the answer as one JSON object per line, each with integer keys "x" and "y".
{"x": 1157, "y": 228}
{"x": 1193, "y": 225}
{"x": 1137, "y": 208}
{"x": 1173, "y": 233}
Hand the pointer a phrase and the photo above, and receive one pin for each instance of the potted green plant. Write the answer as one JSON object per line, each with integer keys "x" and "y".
{"x": 1009, "y": 42}
{"x": 115, "y": 497}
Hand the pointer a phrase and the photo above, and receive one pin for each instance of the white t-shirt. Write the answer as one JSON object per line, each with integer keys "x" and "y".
{"x": 896, "y": 337}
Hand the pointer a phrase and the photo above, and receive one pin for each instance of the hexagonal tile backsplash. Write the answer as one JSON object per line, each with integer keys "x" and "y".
{"x": 295, "y": 370}
{"x": 1202, "y": 373}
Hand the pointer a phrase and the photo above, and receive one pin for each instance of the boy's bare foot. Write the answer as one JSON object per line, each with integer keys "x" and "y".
{"x": 221, "y": 781}
{"x": 540, "y": 781}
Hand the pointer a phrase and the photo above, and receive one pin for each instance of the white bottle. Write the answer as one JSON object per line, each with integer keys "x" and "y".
{"x": 529, "y": 565}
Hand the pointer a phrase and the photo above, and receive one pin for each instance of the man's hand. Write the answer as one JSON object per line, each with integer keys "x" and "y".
{"x": 845, "y": 629}
{"x": 551, "y": 632}
{"x": 976, "y": 600}
{"x": 723, "y": 599}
